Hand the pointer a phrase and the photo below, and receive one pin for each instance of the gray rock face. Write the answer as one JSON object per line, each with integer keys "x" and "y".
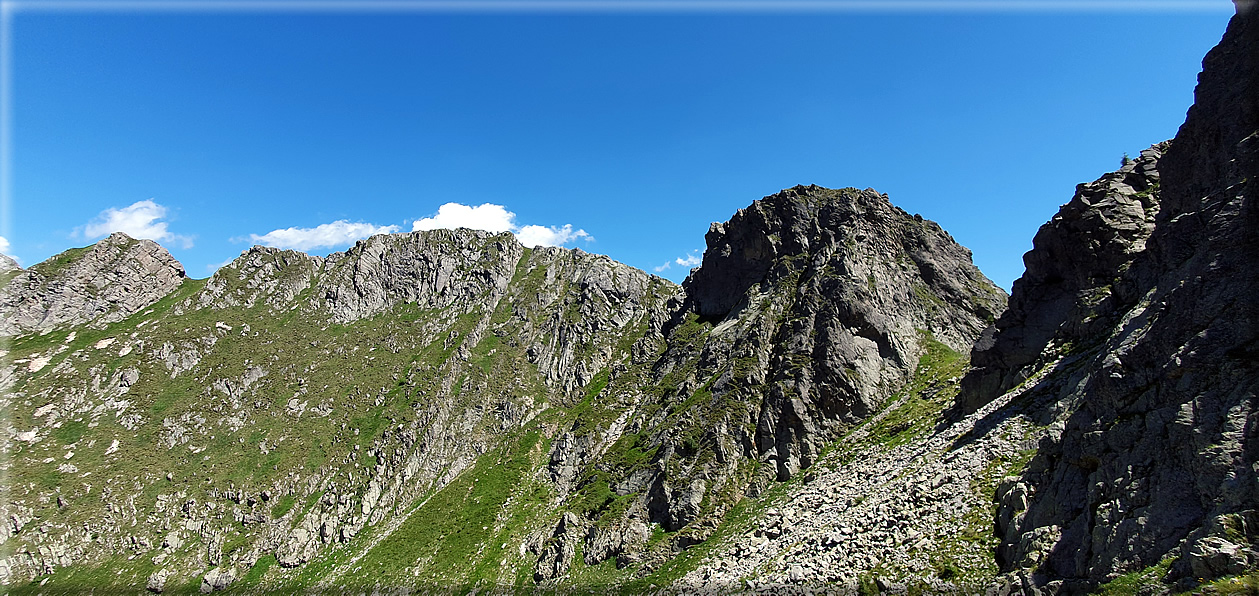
{"x": 812, "y": 307}
{"x": 101, "y": 284}
{"x": 1159, "y": 435}
{"x": 157, "y": 582}
{"x": 446, "y": 269}
{"x": 884, "y": 260}
{"x": 824, "y": 295}
{"x": 571, "y": 306}
{"x": 7, "y": 264}
{"x": 259, "y": 275}
{"x": 556, "y": 556}
{"x": 1073, "y": 289}
{"x": 217, "y": 579}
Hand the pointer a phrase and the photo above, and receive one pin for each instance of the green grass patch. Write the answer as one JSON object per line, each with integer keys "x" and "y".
{"x": 255, "y": 575}
{"x": 932, "y": 388}
{"x": 70, "y": 431}
{"x": 55, "y": 264}
{"x": 115, "y": 575}
{"x": 1132, "y": 583}
{"x": 1241, "y": 584}
{"x": 282, "y": 506}
{"x": 455, "y": 537}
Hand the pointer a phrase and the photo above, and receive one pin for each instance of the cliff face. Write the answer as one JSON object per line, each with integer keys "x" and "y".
{"x": 1074, "y": 287}
{"x": 810, "y": 312}
{"x": 101, "y": 284}
{"x": 1153, "y": 389}
{"x": 828, "y": 296}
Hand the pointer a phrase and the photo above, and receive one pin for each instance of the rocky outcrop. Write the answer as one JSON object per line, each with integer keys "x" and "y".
{"x": 440, "y": 269}
{"x": 260, "y": 275}
{"x": 1074, "y": 287}
{"x": 884, "y": 261}
{"x": 1155, "y": 449}
{"x": 7, "y": 264}
{"x": 811, "y": 309}
{"x": 578, "y": 313}
{"x": 101, "y": 284}
{"x": 823, "y": 296}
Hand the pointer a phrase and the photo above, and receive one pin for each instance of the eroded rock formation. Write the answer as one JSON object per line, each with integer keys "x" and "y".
{"x": 107, "y": 282}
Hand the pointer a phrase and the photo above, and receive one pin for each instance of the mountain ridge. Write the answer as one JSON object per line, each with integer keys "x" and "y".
{"x": 650, "y": 384}
{"x": 835, "y": 399}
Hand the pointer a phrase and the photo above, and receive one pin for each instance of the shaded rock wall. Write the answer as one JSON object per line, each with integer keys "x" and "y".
{"x": 1074, "y": 287}
{"x": 1156, "y": 452}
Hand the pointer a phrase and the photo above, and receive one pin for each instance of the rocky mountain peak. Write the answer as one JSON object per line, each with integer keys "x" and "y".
{"x": 7, "y": 264}
{"x": 820, "y": 303}
{"x": 94, "y": 285}
{"x": 856, "y": 238}
{"x": 741, "y": 251}
{"x": 434, "y": 269}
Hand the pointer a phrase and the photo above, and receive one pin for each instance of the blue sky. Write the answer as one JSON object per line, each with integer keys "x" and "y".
{"x": 211, "y": 130}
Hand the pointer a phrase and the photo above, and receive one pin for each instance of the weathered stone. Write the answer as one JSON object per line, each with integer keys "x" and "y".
{"x": 157, "y": 581}
{"x": 106, "y": 282}
{"x": 217, "y": 579}
{"x": 7, "y": 264}
{"x": 1158, "y": 326}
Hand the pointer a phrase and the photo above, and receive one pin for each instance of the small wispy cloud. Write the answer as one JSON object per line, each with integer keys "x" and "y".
{"x": 690, "y": 260}
{"x": 329, "y": 235}
{"x": 496, "y": 218}
{"x": 141, "y": 219}
{"x": 4, "y": 245}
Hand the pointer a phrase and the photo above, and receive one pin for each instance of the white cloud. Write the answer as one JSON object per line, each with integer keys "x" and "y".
{"x": 690, "y": 260}
{"x": 141, "y": 219}
{"x": 550, "y": 236}
{"x": 337, "y": 233}
{"x": 4, "y": 245}
{"x": 496, "y": 218}
{"x": 488, "y": 217}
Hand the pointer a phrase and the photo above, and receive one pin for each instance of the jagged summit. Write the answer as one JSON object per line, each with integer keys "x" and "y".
{"x": 449, "y": 410}
{"x": 95, "y": 285}
{"x": 1073, "y": 287}
{"x": 852, "y": 235}
{"x": 7, "y": 264}
{"x": 825, "y": 296}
